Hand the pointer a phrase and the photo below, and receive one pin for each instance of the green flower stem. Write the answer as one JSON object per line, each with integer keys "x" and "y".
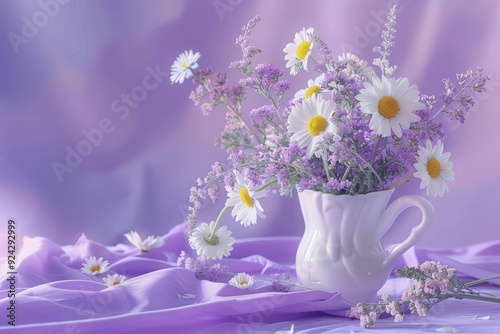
{"x": 267, "y": 184}
{"x": 276, "y": 106}
{"x": 223, "y": 211}
{"x": 327, "y": 170}
{"x": 346, "y": 173}
{"x": 401, "y": 181}
{"x": 479, "y": 281}
{"x": 219, "y": 218}
{"x": 468, "y": 296}
{"x": 377, "y": 144}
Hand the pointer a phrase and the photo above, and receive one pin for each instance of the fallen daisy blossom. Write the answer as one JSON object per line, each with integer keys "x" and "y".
{"x": 115, "y": 279}
{"x": 94, "y": 266}
{"x": 242, "y": 281}
{"x": 144, "y": 245}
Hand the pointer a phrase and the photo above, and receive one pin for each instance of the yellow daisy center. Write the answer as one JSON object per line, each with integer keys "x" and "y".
{"x": 388, "y": 107}
{"x": 312, "y": 90}
{"x": 184, "y": 65}
{"x": 246, "y": 198}
{"x": 116, "y": 283}
{"x": 433, "y": 167}
{"x": 316, "y": 125}
{"x": 303, "y": 49}
{"x": 95, "y": 269}
{"x": 243, "y": 283}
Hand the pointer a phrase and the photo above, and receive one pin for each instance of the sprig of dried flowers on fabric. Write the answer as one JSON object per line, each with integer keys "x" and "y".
{"x": 433, "y": 284}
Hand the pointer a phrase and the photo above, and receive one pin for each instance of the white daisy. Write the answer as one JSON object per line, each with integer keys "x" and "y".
{"x": 244, "y": 201}
{"x": 115, "y": 279}
{"x": 182, "y": 66}
{"x": 242, "y": 281}
{"x": 297, "y": 53}
{"x": 144, "y": 245}
{"x": 94, "y": 266}
{"x": 308, "y": 119}
{"x": 390, "y": 102}
{"x": 313, "y": 87}
{"x": 434, "y": 168}
{"x": 355, "y": 65}
{"x": 220, "y": 245}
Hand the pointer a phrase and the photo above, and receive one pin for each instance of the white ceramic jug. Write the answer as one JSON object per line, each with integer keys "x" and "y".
{"x": 341, "y": 248}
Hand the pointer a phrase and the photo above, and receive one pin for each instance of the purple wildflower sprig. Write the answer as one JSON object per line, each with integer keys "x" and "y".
{"x": 388, "y": 36}
{"x": 325, "y": 61}
{"x": 208, "y": 187}
{"x": 266, "y": 80}
{"x": 248, "y": 51}
{"x": 201, "y": 267}
{"x": 215, "y": 88}
{"x": 458, "y": 100}
{"x": 342, "y": 87}
{"x": 434, "y": 283}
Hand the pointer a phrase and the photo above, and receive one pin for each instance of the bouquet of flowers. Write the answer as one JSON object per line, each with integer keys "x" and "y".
{"x": 351, "y": 130}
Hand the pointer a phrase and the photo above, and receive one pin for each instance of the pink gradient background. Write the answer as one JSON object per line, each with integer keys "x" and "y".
{"x": 65, "y": 78}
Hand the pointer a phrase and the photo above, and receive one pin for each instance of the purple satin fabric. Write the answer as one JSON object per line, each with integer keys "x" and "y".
{"x": 53, "y": 296}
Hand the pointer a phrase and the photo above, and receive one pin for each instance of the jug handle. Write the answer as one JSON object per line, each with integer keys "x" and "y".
{"x": 392, "y": 212}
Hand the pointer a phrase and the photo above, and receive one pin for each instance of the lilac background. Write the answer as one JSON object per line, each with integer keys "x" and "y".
{"x": 66, "y": 77}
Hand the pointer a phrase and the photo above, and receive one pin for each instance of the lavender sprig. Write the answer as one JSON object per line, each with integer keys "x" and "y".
{"x": 208, "y": 187}
{"x": 248, "y": 51}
